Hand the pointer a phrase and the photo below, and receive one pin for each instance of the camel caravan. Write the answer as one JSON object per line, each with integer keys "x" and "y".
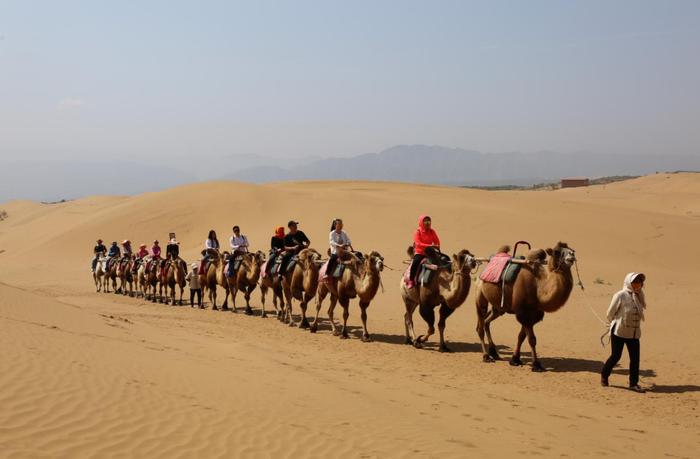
{"x": 526, "y": 286}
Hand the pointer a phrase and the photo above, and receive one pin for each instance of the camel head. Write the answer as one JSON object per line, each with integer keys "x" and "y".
{"x": 376, "y": 260}
{"x": 309, "y": 258}
{"x": 463, "y": 262}
{"x": 561, "y": 256}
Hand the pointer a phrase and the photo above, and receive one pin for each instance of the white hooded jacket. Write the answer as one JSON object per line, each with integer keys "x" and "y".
{"x": 626, "y": 311}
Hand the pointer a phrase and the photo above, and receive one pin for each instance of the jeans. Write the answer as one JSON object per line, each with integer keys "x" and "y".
{"x": 617, "y": 344}
{"x": 198, "y": 292}
{"x": 417, "y": 258}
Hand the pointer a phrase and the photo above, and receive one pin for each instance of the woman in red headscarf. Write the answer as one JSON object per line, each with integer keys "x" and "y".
{"x": 424, "y": 237}
{"x": 276, "y": 247}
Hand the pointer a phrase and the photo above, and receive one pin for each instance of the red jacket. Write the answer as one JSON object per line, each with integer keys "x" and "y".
{"x": 423, "y": 238}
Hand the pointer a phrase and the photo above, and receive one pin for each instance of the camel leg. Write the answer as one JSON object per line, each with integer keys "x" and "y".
{"x": 212, "y": 298}
{"x": 428, "y": 314}
{"x": 345, "y": 303}
{"x": 304, "y": 302}
{"x": 289, "y": 318}
{"x": 263, "y": 291}
{"x": 445, "y": 312}
{"x": 493, "y": 315}
{"x": 363, "y": 314}
{"x": 322, "y": 292}
{"x": 532, "y": 341}
{"x": 246, "y": 297}
{"x": 515, "y": 359}
{"x": 408, "y": 322}
{"x": 331, "y": 309}
{"x": 224, "y": 305}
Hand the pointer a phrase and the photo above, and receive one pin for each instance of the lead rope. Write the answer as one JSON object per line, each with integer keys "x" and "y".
{"x": 606, "y": 333}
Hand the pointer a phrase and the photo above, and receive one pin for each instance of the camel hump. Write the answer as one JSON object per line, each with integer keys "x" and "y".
{"x": 537, "y": 255}
{"x": 410, "y": 251}
{"x": 503, "y": 249}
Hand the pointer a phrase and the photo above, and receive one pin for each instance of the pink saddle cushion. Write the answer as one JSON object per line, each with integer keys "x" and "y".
{"x": 494, "y": 269}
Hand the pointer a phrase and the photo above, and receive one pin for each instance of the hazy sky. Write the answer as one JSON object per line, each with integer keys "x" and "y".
{"x": 127, "y": 79}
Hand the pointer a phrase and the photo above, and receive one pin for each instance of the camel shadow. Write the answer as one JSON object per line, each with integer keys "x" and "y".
{"x": 574, "y": 365}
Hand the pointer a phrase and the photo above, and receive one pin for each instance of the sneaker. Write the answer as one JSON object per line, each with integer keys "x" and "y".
{"x": 637, "y": 388}
{"x": 604, "y": 381}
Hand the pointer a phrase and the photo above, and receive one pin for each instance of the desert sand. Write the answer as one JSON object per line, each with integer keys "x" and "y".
{"x": 88, "y": 374}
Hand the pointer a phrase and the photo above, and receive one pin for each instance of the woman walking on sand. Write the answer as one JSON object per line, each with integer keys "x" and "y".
{"x": 625, "y": 314}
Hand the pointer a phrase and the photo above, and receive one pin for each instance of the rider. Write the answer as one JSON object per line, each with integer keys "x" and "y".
{"x": 239, "y": 245}
{"x": 99, "y": 250}
{"x": 142, "y": 253}
{"x": 155, "y": 254}
{"x": 172, "y": 253}
{"x": 294, "y": 242}
{"x": 211, "y": 249}
{"x": 113, "y": 254}
{"x": 126, "y": 247}
{"x": 424, "y": 237}
{"x": 276, "y": 247}
{"x": 340, "y": 244}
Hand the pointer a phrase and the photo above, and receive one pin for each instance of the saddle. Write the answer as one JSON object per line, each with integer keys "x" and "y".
{"x": 424, "y": 275}
{"x": 501, "y": 269}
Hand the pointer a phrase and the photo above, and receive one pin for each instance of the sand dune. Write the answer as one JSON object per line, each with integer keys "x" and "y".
{"x": 88, "y": 374}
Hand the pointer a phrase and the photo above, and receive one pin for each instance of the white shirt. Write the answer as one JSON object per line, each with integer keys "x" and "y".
{"x": 211, "y": 244}
{"x": 338, "y": 239}
{"x": 239, "y": 243}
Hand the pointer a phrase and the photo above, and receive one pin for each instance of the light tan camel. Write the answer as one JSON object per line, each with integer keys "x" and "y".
{"x": 99, "y": 274}
{"x": 301, "y": 284}
{"x": 148, "y": 278}
{"x": 245, "y": 278}
{"x": 361, "y": 279}
{"x": 447, "y": 287}
{"x": 543, "y": 285}
{"x": 175, "y": 277}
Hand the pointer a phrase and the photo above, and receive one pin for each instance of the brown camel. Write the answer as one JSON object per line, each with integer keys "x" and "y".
{"x": 301, "y": 284}
{"x": 245, "y": 279}
{"x": 273, "y": 282}
{"x": 175, "y": 277}
{"x": 98, "y": 275}
{"x": 125, "y": 275}
{"x": 543, "y": 285}
{"x": 214, "y": 276}
{"x": 110, "y": 276}
{"x": 448, "y": 288}
{"x": 361, "y": 279}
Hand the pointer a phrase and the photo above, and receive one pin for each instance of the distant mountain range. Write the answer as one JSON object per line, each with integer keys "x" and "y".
{"x": 455, "y": 166}
{"x": 55, "y": 180}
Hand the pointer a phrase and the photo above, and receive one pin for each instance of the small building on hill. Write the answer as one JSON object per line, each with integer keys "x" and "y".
{"x": 572, "y": 182}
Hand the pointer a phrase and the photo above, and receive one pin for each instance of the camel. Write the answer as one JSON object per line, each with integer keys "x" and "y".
{"x": 245, "y": 279}
{"x": 543, "y": 285}
{"x": 301, "y": 284}
{"x": 148, "y": 279}
{"x": 448, "y": 289}
{"x": 272, "y": 282}
{"x": 125, "y": 275}
{"x": 111, "y": 276}
{"x": 175, "y": 276}
{"x": 361, "y": 279}
{"x": 214, "y": 276}
{"x": 98, "y": 275}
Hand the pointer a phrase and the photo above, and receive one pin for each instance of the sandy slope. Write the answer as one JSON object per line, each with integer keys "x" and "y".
{"x": 87, "y": 374}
